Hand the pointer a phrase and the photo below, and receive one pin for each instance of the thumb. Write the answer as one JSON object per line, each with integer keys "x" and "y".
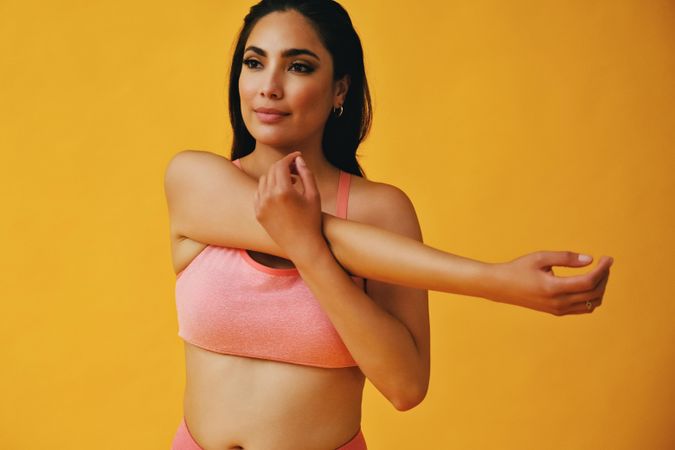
{"x": 307, "y": 177}
{"x": 569, "y": 259}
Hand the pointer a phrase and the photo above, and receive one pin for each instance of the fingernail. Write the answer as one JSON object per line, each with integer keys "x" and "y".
{"x": 301, "y": 161}
{"x": 585, "y": 258}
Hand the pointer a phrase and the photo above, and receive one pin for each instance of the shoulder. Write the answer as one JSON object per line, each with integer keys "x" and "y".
{"x": 190, "y": 162}
{"x": 193, "y": 171}
{"x": 383, "y": 205}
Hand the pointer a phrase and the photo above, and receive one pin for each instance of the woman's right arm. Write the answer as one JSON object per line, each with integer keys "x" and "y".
{"x": 210, "y": 200}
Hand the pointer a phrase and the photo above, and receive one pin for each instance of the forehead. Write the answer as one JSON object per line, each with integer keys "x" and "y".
{"x": 282, "y": 30}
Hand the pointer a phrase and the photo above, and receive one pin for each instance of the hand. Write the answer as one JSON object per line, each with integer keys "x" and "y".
{"x": 529, "y": 281}
{"x": 291, "y": 214}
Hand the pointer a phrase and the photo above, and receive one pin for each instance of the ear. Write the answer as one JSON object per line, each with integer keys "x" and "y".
{"x": 341, "y": 88}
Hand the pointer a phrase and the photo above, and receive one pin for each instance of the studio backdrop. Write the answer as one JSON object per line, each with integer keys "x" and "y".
{"x": 513, "y": 127}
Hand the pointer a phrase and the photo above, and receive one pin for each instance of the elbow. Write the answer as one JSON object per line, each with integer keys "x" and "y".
{"x": 409, "y": 398}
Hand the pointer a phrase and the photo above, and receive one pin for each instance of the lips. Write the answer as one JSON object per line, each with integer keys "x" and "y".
{"x": 270, "y": 115}
{"x": 271, "y": 111}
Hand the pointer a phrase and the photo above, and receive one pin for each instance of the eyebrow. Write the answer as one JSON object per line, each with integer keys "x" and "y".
{"x": 286, "y": 53}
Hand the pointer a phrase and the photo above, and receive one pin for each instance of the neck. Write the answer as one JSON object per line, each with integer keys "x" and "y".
{"x": 263, "y": 156}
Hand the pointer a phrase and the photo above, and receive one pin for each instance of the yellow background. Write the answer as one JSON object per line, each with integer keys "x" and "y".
{"x": 513, "y": 126}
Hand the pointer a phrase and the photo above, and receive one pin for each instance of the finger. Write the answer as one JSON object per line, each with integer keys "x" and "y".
{"x": 294, "y": 168}
{"x": 569, "y": 259}
{"x": 308, "y": 181}
{"x": 295, "y": 177}
{"x": 282, "y": 173}
{"x": 580, "y": 297}
{"x": 291, "y": 157}
{"x": 297, "y": 184}
{"x": 287, "y": 161}
{"x": 582, "y": 308}
{"x": 585, "y": 282}
{"x": 282, "y": 177}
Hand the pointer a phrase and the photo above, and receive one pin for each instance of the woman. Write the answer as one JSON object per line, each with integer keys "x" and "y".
{"x": 279, "y": 339}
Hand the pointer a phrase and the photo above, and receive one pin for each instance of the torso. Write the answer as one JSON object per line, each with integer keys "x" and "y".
{"x": 228, "y": 399}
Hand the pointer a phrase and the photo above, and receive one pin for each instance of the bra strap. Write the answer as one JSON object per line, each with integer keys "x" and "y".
{"x": 343, "y": 194}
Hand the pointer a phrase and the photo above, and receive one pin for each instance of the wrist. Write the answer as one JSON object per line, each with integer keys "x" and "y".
{"x": 490, "y": 281}
{"x": 309, "y": 251}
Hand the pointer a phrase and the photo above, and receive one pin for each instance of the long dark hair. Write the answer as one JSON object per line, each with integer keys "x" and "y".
{"x": 342, "y": 135}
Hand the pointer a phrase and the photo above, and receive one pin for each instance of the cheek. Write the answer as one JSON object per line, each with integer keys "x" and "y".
{"x": 246, "y": 89}
{"x": 313, "y": 101}
{"x": 247, "y": 94}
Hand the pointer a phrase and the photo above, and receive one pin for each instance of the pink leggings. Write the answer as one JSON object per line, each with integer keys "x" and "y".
{"x": 183, "y": 440}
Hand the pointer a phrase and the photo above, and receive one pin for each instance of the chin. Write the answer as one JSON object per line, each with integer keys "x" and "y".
{"x": 274, "y": 139}
{"x": 273, "y": 136}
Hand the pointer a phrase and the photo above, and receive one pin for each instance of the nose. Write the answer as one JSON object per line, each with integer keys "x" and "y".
{"x": 272, "y": 86}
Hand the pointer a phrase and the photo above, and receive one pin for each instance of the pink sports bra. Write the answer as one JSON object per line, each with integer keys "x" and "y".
{"x": 229, "y": 303}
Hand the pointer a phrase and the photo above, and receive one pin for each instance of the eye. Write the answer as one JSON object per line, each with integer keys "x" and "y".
{"x": 251, "y": 63}
{"x": 302, "y": 68}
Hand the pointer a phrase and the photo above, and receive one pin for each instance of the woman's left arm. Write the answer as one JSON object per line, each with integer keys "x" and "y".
{"x": 386, "y": 330}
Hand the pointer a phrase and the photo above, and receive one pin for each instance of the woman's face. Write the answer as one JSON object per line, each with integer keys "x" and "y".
{"x": 287, "y": 69}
